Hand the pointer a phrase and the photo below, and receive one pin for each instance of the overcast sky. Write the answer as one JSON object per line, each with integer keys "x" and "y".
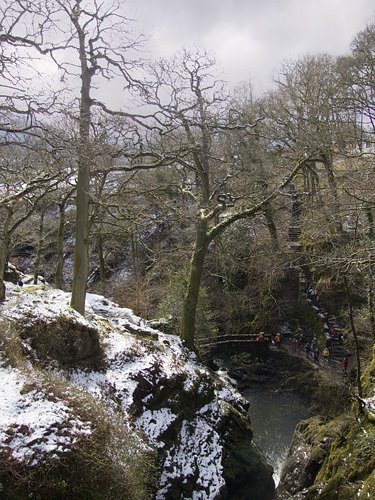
{"x": 252, "y": 38}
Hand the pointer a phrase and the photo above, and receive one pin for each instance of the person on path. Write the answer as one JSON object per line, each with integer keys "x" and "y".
{"x": 329, "y": 345}
{"x": 295, "y": 344}
{"x": 261, "y": 337}
{"x": 313, "y": 348}
{"x": 326, "y": 354}
{"x": 315, "y": 353}
{"x": 345, "y": 363}
{"x": 277, "y": 340}
{"x": 302, "y": 340}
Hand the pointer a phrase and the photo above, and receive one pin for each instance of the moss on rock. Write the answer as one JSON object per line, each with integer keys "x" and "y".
{"x": 331, "y": 460}
{"x": 65, "y": 340}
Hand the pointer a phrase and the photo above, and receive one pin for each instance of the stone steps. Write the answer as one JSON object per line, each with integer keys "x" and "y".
{"x": 330, "y": 323}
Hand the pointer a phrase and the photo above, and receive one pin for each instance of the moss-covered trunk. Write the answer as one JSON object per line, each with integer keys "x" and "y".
{"x": 271, "y": 226}
{"x": 81, "y": 249}
{"x": 355, "y": 337}
{"x": 195, "y": 278}
{"x": 371, "y": 301}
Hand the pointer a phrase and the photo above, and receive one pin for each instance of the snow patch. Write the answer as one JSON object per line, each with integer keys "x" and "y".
{"x": 154, "y": 423}
{"x": 34, "y": 426}
{"x": 201, "y": 440}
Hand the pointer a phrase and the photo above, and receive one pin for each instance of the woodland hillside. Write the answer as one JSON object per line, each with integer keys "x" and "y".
{"x": 203, "y": 202}
{"x": 208, "y": 211}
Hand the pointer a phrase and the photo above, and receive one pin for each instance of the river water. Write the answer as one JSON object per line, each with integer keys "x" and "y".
{"x": 274, "y": 416}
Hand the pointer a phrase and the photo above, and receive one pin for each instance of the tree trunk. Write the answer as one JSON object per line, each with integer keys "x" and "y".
{"x": 38, "y": 256}
{"x": 195, "y": 277}
{"x": 370, "y": 220}
{"x": 371, "y": 297}
{"x": 3, "y": 259}
{"x": 60, "y": 246}
{"x": 328, "y": 165}
{"x": 4, "y": 246}
{"x": 268, "y": 214}
{"x": 134, "y": 249}
{"x": 354, "y": 332}
{"x": 81, "y": 250}
{"x": 99, "y": 249}
{"x": 371, "y": 304}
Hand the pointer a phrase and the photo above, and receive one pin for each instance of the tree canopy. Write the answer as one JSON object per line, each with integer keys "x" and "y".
{"x": 182, "y": 174}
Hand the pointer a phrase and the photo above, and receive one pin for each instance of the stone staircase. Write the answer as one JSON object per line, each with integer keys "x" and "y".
{"x": 337, "y": 348}
{"x": 333, "y": 331}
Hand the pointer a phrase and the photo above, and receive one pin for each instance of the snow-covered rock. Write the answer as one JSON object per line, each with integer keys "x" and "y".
{"x": 195, "y": 421}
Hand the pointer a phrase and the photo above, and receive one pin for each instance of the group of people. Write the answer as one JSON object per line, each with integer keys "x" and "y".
{"x": 333, "y": 335}
{"x": 276, "y": 339}
{"x": 311, "y": 348}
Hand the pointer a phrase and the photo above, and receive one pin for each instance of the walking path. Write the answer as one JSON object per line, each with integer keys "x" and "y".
{"x": 332, "y": 370}
{"x": 307, "y": 346}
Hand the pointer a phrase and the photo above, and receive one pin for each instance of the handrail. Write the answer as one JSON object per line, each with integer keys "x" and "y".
{"x": 234, "y": 339}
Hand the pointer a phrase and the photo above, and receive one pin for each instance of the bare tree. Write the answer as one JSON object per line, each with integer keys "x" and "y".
{"x": 26, "y": 181}
{"x": 196, "y": 116}
{"x": 87, "y": 42}
{"x": 307, "y": 115}
{"x": 362, "y": 78}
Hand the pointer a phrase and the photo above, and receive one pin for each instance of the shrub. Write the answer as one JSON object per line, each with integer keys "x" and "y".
{"x": 332, "y": 399}
{"x": 11, "y": 344}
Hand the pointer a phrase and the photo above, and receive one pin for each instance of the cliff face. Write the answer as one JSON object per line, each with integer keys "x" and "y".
{"x": 107, "y": 407}
{"x": 334, "y": 459}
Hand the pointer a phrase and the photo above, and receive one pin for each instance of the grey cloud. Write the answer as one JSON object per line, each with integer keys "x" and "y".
{"x": 251, "y": 38}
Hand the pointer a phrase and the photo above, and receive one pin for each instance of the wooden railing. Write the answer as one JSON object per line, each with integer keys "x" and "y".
{"x": 234, "y": 340}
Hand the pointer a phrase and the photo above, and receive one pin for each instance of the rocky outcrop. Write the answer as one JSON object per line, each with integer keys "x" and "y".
{"x": 333, "y": 458}
{"x": 306, "y": 456}
{"x": 273, "y": 370}
{"x": 69, "y": 342}
{"x": 149, "y": 414}
{"x": 246, "y": 474}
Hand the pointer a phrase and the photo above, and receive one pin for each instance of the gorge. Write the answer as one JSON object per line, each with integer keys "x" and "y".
{"x": 95, "y": 377}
